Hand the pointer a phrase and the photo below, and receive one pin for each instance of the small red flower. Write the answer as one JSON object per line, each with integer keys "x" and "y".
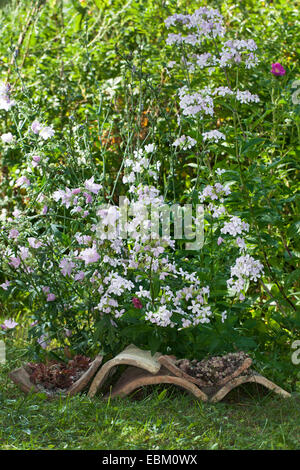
{"x": 277, "y": 69}
{"x": 137, "y": 303}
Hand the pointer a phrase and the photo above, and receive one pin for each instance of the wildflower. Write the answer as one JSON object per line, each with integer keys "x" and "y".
{"x": 4, "y": 88}
{"x": 76, "y": 191}
{"x": 79, "y": 276}
{"x": 16, "y": 213}
{"x": 223, "y": 316}
{"x": 34, "y": 243}
{"x": 185, "y": 142}
{"x": 66, "y": 266}
{"x": 241, "y": 243}
{"x": 88, "y": 198}
{"x": 7, "y": 138}
{"x": 35, "y": 160}
{"x": 36, "y": 127}
{"x": 23, "y": 180}
{"x": 15, "y": 261}
{"x": 214, "y": 136}
{"x": 51, "y": 297}
{"x": 91, "y": 186}
{"x": 222, "y": 91}
{"x": 137, "y": 303}
{"x": 235, "y": 227}
{"x": 46, "y": 132}
{"x": 246, "y": 97}
{"x": 65, "y": 196}
{"x": 109, "y": 216}
{"x": 245, "y": 268}
{"x": 149, "y": 148}
{"x": 6, "y": 103}
{"x": 24, "y": 252}
{"x": 13, "y": 233}
{"x": 277, "y": 69}
{"x": 43, "y": 341}
{"x": 5, "y": 285}
{"x": 199, "y": 102}
{"x": 162, "y": 317}
{"x": 9, "y": 324}
{"x": 89, "y": 255}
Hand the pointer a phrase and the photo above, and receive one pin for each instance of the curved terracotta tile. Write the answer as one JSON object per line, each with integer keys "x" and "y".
{"x": 131, "y": 356}
{"x": 256, "y": 378}
{"x": 134, "y": 378}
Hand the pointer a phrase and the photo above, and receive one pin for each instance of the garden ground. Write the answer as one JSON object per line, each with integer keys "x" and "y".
{"x": 154, "y": 419}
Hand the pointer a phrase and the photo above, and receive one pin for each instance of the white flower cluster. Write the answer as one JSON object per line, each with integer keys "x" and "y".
{"x": 213, "y": 136}
{"x": 246, "y": 97}
{"x": 199, "y": 102}
{"x": 184, "y": 142}
{"x": 215, "y": 192}
{"x": 245, "y": 269}
{"x": 238, "y": 50}
{"x": 139, "y": 164}
{"x": 235, "y": 226}
{"x": 203, "y": 23}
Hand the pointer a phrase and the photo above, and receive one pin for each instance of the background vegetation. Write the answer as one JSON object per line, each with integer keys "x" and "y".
{"x": 103, "y": 65}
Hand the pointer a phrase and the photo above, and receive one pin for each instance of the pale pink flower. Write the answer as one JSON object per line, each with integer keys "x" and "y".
{"x": 43, "y": 341}
{"x": 16, "y": 213}
{"x": 6, "y": 103}
{"x": 13, "y": 233}
{"x": 79, "y": 276}
{"x": 76, "y": 191}
{"x": 7, "y": 138}
{"x": 34, "y": 243}
{"x": 68, "y": 332}
{"x": 91, "y": 186}
{"x": 36, "y": 160}
{"x": 5, "y": 285}
{"x": 24, "y": 252}
{"x": 46, "y": 133}
{"x": 89, "y": 255}
{"x": 51, "y": 297}
{"x": 36, "y": 126}
{"x": 22, "y": 180}
{"x": 223, "y": 316}
{"x": 8, "y": 324}
{"x": 15, "y": 261}
{"x": 88, "y": 198}
{"x": 66, "y": 266}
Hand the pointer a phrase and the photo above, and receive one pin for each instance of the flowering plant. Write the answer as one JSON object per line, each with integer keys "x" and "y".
{"x": 86, "y": 285}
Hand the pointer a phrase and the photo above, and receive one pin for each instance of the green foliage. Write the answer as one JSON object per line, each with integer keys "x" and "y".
{"x": 103, "y": 66}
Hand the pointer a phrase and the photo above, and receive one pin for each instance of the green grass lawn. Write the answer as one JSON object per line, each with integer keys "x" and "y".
{"x": 163, "y": 418}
